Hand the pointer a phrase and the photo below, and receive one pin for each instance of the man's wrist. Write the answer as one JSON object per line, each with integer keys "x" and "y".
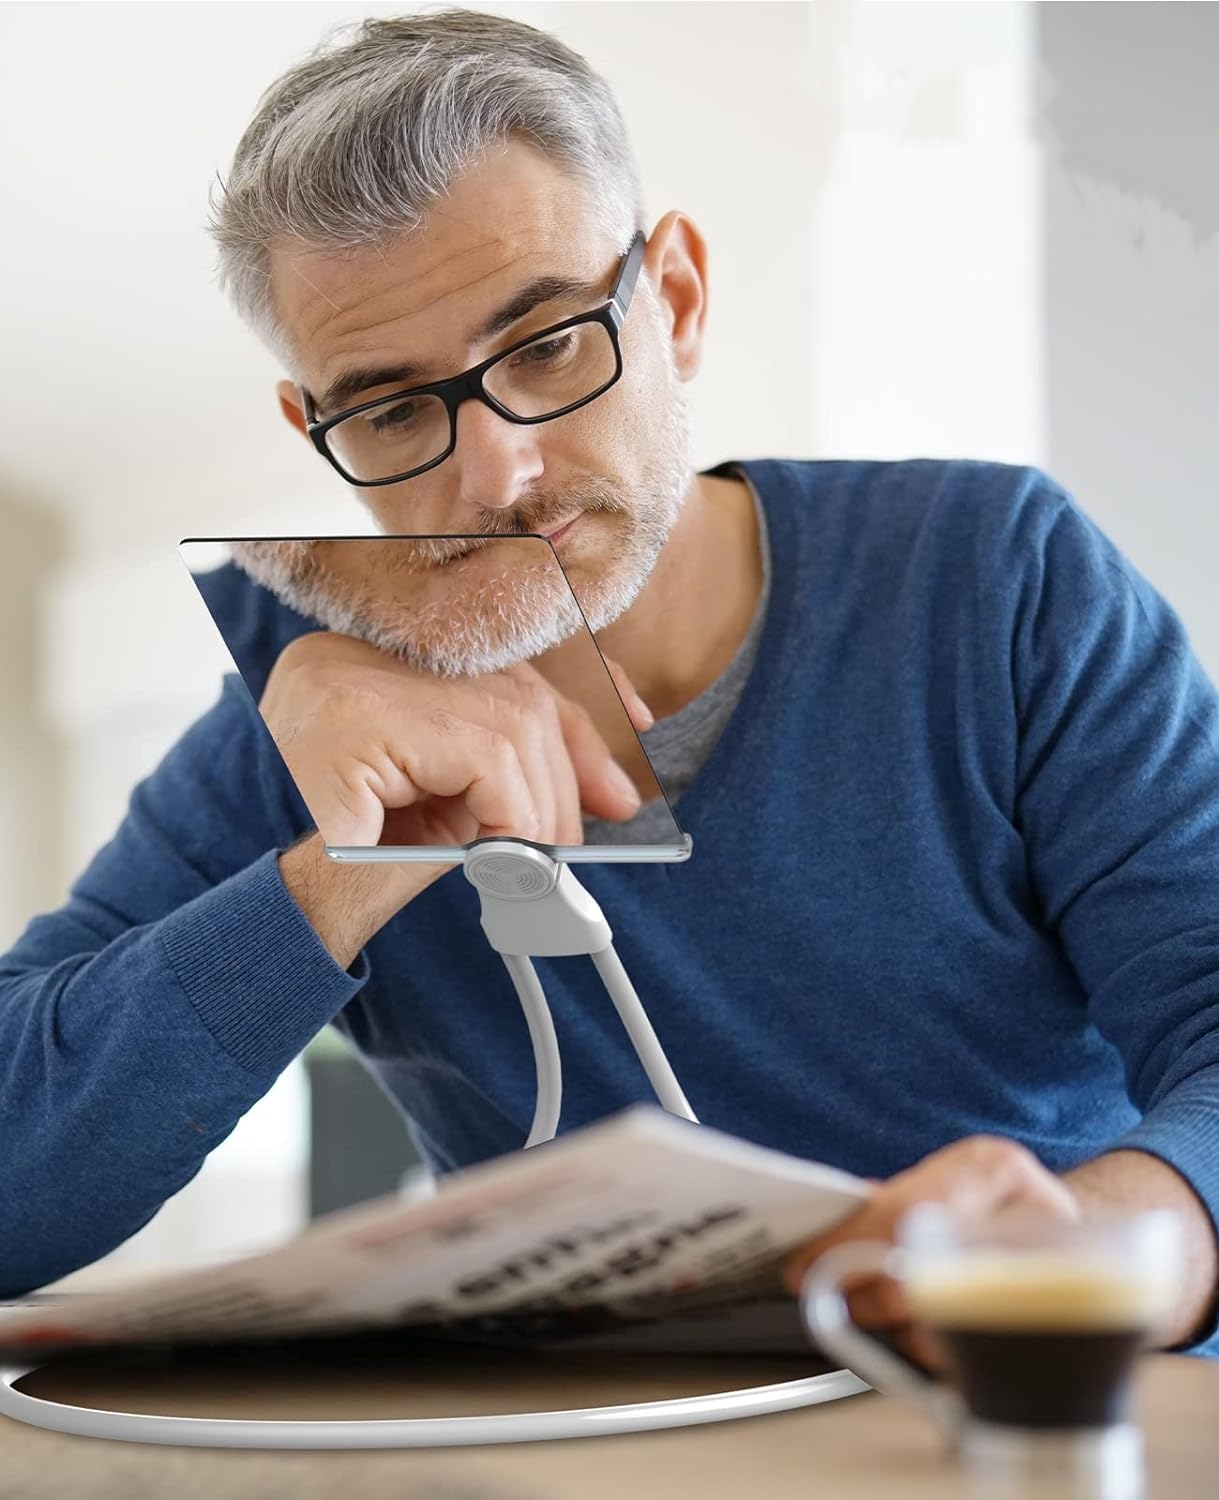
{"x": 1132, "y": 1180}
{"x": 346, "y": 904}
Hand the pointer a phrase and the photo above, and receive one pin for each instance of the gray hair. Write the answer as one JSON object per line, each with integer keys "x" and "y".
{"x": 359, "y": 139}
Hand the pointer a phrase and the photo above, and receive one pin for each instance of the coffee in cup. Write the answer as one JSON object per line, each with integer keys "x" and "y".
{"x": 1039, "y": 1339}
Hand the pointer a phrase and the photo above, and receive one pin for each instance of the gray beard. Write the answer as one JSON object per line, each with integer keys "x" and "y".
{"x": 506, "y": 621}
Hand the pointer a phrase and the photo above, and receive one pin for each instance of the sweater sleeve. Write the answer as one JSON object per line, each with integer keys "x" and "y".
{"x": 1118, "y": 801}
{"x": 142, "y": 1019}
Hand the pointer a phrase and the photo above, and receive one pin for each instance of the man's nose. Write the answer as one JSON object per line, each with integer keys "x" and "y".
{"x": 495, "y": 460}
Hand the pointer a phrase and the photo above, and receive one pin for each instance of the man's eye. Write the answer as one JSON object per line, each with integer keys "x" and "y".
{"x": 548, "y": 351}
{"x": 395, "y": 418}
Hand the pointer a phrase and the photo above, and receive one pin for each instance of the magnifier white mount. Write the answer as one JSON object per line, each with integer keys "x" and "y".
{"x": 532, "y": 907}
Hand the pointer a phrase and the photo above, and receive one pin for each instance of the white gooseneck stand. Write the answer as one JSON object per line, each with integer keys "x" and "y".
{"x": 532, "y": 907}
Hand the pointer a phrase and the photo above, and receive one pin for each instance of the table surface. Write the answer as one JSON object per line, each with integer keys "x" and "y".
{"x": 862, "y": 1446}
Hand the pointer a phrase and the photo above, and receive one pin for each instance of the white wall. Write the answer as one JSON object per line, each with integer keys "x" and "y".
{"x": 927, "y": 335}
{"x": 1131, "y": 128}
{"x": 31, "y": 812}
{"x": 863, "y": 175}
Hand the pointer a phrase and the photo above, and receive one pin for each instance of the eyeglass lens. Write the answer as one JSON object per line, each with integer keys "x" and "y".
{"x": 536, "y": 381}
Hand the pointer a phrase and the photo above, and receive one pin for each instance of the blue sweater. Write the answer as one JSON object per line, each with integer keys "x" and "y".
{"x": 956, "y": 859}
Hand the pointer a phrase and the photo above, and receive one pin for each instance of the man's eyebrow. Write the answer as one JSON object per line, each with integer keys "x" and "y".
{"x": 344, "y": 388}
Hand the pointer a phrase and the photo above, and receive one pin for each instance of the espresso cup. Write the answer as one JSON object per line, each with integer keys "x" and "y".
{"x": 1039, "y": 1323}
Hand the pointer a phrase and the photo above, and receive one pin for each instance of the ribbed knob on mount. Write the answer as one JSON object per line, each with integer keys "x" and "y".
{"x": 512, "y": 874}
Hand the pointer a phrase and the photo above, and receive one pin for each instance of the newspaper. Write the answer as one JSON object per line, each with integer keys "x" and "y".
{"x": 638, "y": 1218}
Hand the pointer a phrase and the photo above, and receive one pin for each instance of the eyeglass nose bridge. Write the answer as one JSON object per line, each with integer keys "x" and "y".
{"x": 470, "y": 387}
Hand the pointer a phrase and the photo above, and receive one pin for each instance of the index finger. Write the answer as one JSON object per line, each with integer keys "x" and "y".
{"x": 606, "y": 790}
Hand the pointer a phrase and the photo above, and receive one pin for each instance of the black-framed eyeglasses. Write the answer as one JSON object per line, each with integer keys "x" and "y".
{"x": 544, "y": 376}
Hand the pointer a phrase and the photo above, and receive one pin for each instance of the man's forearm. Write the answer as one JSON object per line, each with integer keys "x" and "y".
{"x": 152, "y": 1043}
{"x": 1134, "y": 1180}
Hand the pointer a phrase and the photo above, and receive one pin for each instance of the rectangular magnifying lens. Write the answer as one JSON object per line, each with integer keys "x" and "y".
{"x": 448, "y": 613}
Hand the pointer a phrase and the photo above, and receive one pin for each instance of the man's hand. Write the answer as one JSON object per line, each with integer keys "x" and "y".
{"x": 382, "y": 753}
{"x": 977, "y": 1176}
{"x": 372, "y": 743}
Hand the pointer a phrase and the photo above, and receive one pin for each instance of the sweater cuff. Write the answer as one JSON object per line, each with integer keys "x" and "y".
{"x": 1183, "y": 1130}
{"x": 254, "y": 969}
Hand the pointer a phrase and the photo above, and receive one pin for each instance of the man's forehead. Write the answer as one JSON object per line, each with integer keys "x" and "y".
{"x": 509, "y": 220}
{"x": 401, "y": 329}
{"x": 417, "y": 269}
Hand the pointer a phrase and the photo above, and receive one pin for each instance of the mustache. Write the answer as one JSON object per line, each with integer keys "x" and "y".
{"x": 269, "y": 560}
{"x": 522, "y": 521}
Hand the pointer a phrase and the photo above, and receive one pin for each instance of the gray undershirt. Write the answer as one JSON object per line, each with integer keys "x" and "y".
{"x": 678, "y": 746}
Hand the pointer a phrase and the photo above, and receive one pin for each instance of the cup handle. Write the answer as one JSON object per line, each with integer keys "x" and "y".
{"x": 823, "y": 1306}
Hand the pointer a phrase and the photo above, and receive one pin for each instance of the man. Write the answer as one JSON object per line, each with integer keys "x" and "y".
{"x": 951, "y": 770}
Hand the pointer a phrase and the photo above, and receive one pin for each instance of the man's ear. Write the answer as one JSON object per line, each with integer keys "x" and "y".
{"x": 290, "y": 404}
{"x": 676, "y": 264}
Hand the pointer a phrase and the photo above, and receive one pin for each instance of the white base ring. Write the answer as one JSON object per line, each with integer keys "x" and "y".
{"x": 420, "y": 1432}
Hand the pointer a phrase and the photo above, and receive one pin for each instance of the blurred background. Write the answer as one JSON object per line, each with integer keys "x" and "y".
{"x": 979, "y": 230}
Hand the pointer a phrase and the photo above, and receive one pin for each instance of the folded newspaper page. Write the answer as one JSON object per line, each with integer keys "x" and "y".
{"x": 637, "y": 1218}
